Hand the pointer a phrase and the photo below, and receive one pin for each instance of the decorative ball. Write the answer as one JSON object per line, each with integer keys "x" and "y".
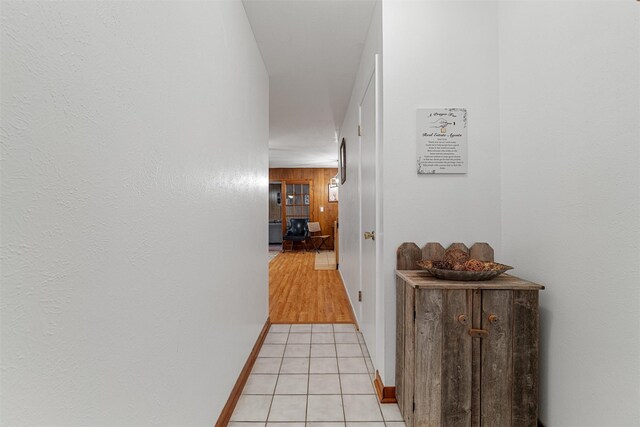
{"x": 443, "y": 265}
{"x": 492, "y": 266}
{"x": 455, "y": 257}
{"x": 474, "y": 265}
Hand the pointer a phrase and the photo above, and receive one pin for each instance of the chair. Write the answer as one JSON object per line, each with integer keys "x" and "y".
{"x": 296, "y": 232}
{"x": 314, "y": 227}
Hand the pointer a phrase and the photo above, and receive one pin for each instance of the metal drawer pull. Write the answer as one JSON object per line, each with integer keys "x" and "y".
{"x": 478, "y": 333}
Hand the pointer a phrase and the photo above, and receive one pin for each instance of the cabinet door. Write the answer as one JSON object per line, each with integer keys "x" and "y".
{"x": 428, "y": 360}
{"x": 496, "y": 364}
{"x": 443, "y": 353}
{"x": 456, "y": 357}
{"x": 525, "y": 358}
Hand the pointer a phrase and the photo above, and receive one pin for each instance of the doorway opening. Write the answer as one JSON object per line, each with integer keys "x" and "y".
{"x": 304, "y": 283}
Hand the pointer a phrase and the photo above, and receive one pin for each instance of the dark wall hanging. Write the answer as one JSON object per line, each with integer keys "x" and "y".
{"x": 343, "y": 161}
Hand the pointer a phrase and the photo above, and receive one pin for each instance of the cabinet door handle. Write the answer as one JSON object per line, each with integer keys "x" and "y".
{"x": 478, "y": 333}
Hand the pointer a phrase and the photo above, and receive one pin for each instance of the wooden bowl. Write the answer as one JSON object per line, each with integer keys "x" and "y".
{"x": 496, "y": 270}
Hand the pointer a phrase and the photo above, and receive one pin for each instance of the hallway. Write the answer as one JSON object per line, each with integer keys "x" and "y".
{"x": 300, "y": 294}
{"x": 139, "y": 143}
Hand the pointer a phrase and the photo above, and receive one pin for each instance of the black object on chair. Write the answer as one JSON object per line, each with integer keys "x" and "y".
{"x": 297, "y": 232}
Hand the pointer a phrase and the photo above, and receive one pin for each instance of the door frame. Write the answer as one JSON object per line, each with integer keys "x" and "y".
{"x": 375, "y": 79}
{"x": 380, "y": 296}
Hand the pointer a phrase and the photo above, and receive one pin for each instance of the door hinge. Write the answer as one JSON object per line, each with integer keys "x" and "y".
{"x": 359, "y": 296}
{"x": 359, "y": 131}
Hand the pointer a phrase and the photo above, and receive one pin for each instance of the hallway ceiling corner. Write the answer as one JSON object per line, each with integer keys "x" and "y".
{"x": 312, "y": 50}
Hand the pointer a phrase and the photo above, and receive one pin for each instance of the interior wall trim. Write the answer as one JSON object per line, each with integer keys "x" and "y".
{"x": 337, "y": 322}
{"x": 353, "y": 309}
{"x": 385, "y": 394}
{"x": 230, "y": 406}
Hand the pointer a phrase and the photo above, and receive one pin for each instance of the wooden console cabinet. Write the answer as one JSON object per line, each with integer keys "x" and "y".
{"x": 467, "y": 352}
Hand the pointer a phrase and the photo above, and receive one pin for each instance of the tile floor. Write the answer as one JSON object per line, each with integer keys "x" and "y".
{"x": 272, "y": 255}
{"x": 325, "y": 260}
{"x": 317, "y": 375}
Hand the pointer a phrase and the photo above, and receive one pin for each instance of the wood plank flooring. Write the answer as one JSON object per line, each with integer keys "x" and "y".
{"x": 300, "y": 294}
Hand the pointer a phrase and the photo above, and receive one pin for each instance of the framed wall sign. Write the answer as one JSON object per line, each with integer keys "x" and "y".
{"x": 441, "y": 141}
{"x": 343, "y": 161}
{"x": 333, "y": 193}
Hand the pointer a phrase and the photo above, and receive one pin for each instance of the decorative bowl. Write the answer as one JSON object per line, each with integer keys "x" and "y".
{"x": 496, "y": 270}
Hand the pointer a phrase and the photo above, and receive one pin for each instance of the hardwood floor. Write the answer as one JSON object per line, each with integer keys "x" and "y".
{"x": 300, "y": 294}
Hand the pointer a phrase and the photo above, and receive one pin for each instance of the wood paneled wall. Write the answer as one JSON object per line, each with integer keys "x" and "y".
{"x": 320, "y": 178}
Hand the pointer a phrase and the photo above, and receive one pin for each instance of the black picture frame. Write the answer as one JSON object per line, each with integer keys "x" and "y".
{"x": 343, "y": 161}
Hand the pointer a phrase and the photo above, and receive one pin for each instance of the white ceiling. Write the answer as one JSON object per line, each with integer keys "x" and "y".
{"x": 311, "y": 49}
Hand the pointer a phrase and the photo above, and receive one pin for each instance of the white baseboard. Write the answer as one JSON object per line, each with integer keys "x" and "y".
{"x": 346, "y": 291}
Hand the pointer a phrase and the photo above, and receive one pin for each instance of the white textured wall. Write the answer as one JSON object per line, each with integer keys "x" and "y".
{"x": 350, "y": 237}
{"x": 134, "y": 162}
{"x": 570, "y": 123}
{"x": 438, "y": 54}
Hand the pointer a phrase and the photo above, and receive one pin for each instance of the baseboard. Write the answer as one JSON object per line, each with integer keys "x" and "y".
{"x": 314, "y": 322}
{"x": 353, "y": 311}
{"x": 385, "y": 394}
{"x": 229, "y": 407}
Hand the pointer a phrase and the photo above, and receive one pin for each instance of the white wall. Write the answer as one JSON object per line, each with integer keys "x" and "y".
{"x": 350, "y": 238}
{"x": 437, "y": 54}
{"x": 570, "y": 95}
{"x": 553, "y": 94}
{"x": 134, "y": 151}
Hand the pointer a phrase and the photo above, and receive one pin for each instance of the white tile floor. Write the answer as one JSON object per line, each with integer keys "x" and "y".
{"x": 325, "y": 260}
{"x": 314, "y": 375}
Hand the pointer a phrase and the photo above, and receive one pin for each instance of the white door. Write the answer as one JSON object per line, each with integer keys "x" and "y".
{"x": 368, "y": 213}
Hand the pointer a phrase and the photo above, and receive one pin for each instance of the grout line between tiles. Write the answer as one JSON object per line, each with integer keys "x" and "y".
{"x": 344, "y": 412}
{"x": 277, "y": 379}
{"x": 306, "y": 409}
